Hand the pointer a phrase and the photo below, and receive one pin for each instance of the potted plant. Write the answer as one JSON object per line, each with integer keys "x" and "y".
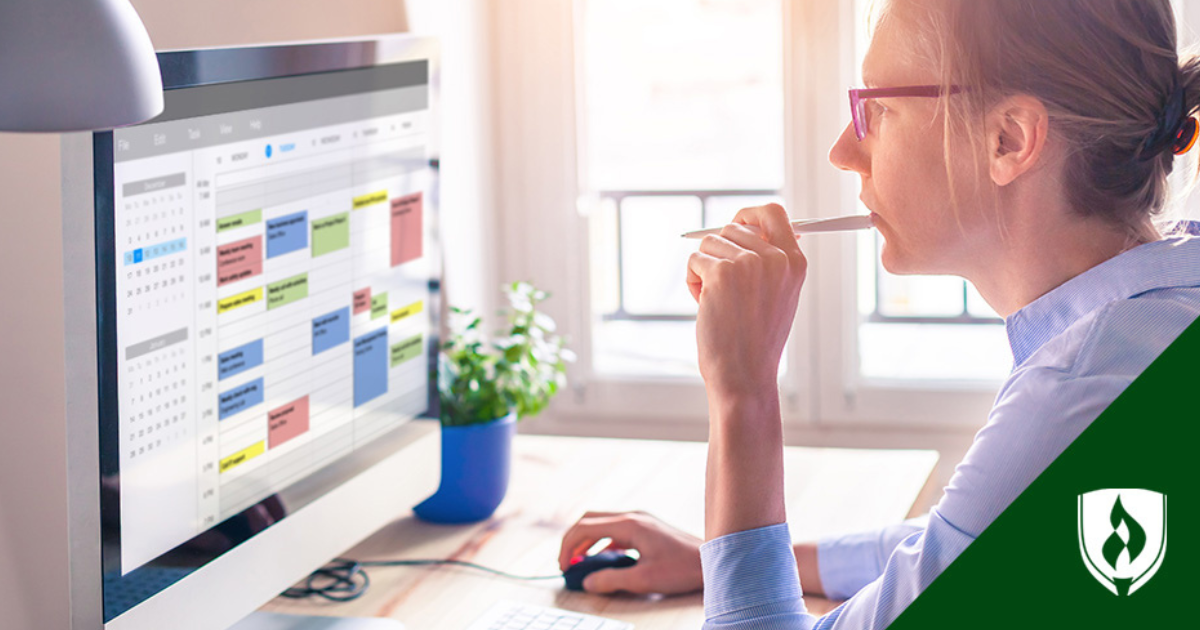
{"x": 485, "y": 387}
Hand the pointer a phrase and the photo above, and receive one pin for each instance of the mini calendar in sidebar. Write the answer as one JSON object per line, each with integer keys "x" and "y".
{"x": 154, "y": 265}
{"x": 155, "y": 227}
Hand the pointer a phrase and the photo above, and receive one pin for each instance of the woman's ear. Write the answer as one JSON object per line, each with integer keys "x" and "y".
{"x": 1016, "y": 133}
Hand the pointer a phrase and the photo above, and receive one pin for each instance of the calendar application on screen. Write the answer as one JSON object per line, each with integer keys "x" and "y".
{"x": 272, "y": 301}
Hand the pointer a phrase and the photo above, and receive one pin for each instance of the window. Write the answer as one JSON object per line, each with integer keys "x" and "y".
{"x": 623, "y": 123}
{"x": 675, "y": 134}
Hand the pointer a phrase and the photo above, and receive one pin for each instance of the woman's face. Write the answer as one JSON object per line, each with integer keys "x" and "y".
{"x": 902, "y": 160}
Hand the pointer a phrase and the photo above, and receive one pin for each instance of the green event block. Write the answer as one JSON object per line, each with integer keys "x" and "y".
{"x": 287, "y": 291}
{"x": 408, "y": 349}
{"x": 379, "y": 305}
{"x": 239, "y": 220}
{"x": 330, "y": 234}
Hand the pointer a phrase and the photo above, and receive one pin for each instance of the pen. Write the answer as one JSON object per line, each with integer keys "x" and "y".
{"x": 809, "y": 226}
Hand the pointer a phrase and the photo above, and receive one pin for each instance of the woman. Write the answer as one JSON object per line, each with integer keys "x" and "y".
{"x": 1022, "y": 145}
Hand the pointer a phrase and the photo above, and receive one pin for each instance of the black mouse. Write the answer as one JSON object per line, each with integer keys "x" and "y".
{"x": 604, "y": 560}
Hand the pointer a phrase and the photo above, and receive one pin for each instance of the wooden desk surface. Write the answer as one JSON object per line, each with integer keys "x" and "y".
{"x": 556, "y": 479}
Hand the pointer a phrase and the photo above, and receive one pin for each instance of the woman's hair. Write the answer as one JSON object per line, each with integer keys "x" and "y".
{"x": 1107, "y": 71}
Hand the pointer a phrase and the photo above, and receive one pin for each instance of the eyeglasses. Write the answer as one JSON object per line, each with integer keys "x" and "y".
{"x": 858, "y": 110}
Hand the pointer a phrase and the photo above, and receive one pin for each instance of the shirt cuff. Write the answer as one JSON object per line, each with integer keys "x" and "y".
{"x": 746, "y": 569}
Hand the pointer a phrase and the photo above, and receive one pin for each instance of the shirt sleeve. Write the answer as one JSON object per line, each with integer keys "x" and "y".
{"x": 848, "y": 563}
{"x": 750, "y": 577}
{"x": 751, "y": 583}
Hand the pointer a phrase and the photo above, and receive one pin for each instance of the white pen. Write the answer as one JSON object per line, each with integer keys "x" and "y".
{"x": 809, "y": 226}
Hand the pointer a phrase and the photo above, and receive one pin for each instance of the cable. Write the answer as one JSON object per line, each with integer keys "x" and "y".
{"x": 344, "y": 580}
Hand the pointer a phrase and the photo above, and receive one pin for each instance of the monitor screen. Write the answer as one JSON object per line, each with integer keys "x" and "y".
{"x": 266, "y": 282}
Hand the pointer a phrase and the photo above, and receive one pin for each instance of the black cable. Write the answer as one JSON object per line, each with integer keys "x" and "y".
{"x": 343, "y": 580}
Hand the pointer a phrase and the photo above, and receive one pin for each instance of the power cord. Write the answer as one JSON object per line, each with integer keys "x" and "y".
{"x": 344, "y": 580}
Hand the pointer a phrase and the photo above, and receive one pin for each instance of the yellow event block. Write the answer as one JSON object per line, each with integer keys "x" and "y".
{"x": 411, "y": 309}
{"x": 362, "y": 201}
{"x": 241, "y": 299}
{"x": 243, "y": 456}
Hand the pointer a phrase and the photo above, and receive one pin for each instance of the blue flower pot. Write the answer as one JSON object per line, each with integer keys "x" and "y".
{"x": 475, "y": 465}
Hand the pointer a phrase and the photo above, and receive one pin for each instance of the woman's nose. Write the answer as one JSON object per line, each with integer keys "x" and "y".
{"x": 848, "y": 153}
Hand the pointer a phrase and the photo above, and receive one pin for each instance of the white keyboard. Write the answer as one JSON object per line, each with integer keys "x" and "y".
{"x": 507, "y": 615}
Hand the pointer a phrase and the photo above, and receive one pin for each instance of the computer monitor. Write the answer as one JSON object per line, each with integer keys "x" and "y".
{"x": 252, "y": 286}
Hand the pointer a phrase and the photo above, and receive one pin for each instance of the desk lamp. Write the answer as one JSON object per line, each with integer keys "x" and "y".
{"x": 75, "y": 65}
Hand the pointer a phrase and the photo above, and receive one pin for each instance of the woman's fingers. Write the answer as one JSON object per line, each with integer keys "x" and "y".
{"x": 774, "y": 223}
{"x": 630, "y": 579}
{"x": 590, "y": 530}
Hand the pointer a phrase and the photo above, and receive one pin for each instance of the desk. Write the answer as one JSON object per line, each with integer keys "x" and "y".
{"x": 555, "y": 479}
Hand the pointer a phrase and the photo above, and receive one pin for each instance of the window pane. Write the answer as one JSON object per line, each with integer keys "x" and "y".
{"x": 654, "y": 257}
{"x": 940, "y": 352}
{"x": 682, "y": 94}
{"x": 646, "y": 348}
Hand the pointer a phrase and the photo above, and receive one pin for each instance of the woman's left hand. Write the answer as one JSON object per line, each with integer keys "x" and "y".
{"x": 747, "y": 283}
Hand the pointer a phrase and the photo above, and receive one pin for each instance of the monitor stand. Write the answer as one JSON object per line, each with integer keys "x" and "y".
{"x": 277, "y": 621}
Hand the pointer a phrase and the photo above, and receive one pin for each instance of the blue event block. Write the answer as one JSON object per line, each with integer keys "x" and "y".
{"x": 332, "y": 329}
{"x": 287, "y": 234}
{"x": 239, "y": 359}
{"x": 370, "y": 366}
{"x": 240, "y": 398}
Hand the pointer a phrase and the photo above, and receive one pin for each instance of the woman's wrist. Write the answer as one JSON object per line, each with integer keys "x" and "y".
{"x": 744, "y": 489}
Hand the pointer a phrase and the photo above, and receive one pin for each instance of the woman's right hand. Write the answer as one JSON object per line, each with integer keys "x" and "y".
{"x": 668, "y": 562}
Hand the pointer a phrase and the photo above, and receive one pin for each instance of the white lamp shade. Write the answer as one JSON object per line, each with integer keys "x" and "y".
{"x": 75, "y": 65}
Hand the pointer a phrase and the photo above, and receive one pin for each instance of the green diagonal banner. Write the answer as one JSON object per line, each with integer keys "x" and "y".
{"x": 1108, "y": 536}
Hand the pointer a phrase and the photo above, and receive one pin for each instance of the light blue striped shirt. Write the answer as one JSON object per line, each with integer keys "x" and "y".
{"x": 1075, "y": 350}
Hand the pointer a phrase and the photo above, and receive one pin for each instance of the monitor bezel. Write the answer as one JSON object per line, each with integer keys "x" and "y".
{"x": 343, "y": 516}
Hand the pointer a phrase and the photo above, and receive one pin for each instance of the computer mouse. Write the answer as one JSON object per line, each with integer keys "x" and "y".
{"x": 610, "y": 559}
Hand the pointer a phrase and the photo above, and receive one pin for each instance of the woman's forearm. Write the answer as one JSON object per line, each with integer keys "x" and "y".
{"x": 744, "y": 488}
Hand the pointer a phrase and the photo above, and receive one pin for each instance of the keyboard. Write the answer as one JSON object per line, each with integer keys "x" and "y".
{"x": 507, "y": 615}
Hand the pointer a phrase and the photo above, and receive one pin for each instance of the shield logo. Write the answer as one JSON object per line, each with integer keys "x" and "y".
{"x": 1123, "y": 536}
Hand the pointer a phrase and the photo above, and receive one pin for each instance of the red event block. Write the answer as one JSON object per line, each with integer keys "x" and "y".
{"x": 287, "y": 422}
{"x": 406, "y": 228}
{"x": 239, "y": 260}
{"x": 362, "y": 300}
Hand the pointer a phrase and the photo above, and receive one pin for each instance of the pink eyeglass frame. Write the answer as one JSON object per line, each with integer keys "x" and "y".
{"x": 858, "y": 95}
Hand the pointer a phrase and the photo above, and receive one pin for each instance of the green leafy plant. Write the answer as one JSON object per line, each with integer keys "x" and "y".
{"x": 519, "y": 370}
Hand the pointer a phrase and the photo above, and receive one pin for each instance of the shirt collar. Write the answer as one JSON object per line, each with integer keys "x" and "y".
{"x": 1171, "y": 262}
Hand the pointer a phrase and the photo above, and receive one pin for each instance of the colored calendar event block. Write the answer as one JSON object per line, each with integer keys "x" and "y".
{"x": 240, "y": 398}
{"x": 330, "y": 330}
{"x": 407, "y": 311}
{"x": 243, "y": 456}
{"x": 407, "y": 350}
{"x": 287, "y": 422}
{"x": 330, "y": 234}
{"x": 287, "y": 234}
{"x": 236, "y": 221}
{"x": 287, "y": 291}
{"x": 407, "y": 237}
{"x": 241, "y": 299}
{"x": 239, "y": 260}
{"x": 362, "y": 300}
{"x": 239, "y": 359}
{"x": 379, "y": 304}
{"x": 370, "y": 199}
{"x": 370, "y": 366}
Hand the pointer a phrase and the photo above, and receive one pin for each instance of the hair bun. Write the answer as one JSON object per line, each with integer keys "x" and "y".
{"x": 1172, "y": 123}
